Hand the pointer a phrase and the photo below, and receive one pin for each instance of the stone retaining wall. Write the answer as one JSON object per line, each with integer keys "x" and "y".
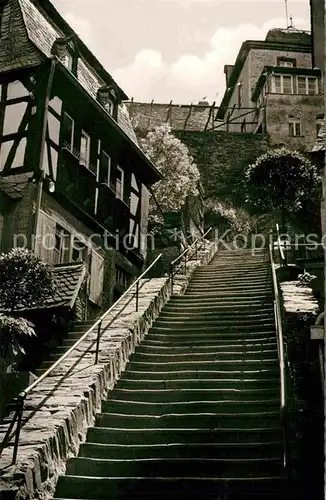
{"x": 60, "y": 410}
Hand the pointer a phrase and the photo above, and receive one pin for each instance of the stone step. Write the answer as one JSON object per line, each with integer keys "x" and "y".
{"x": 170, "y": 314}
{"x": 194, "y": 337}
{"x": 71, "y": 340}
{"x": 148, "y": 349}
{"x": 239, "y": 355}
{"x": 176, "y": 467}
{"x": 231, "y": 285}
{"x": 220, "y": 329}
{"x": 228, "y": 372}
{"x": 129, "y": 382}
{"x": 226, "y": 269}
{"x": 220, "y": 308}
{"x": 205, "y": 420}
{"x": 212, "y": 294}
{"x": 221, "y": 300}
{"x": 240, "y": 289}
{"x": 220, "y": 405}
{"x": 212, "y": 394}
{"x": 165, "y": 435}
{"x": 208, "y": 340}
{"x": 269, "y": 487}
{"x": 214, "y": 291}
{"x": 191, "y": 323}
{"x": 221, "y": 364}
{"x": 234, "y": 278}
{"x": 235, "y": 264}
{"x": 231, "y": 277}
{"x": 182, "y": 450}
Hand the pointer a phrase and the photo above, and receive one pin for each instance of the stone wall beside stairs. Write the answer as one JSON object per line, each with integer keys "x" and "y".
{"x": 60, "y": 410}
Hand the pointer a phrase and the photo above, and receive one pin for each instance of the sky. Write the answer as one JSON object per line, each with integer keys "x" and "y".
{"x": 175, "y": 50}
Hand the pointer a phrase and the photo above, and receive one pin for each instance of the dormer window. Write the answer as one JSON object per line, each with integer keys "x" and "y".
{"x": 64, "y": 49}
{"x": 67, "y": 61}
{"x": 109, "y": 107}
{"x": 107, "y": 98}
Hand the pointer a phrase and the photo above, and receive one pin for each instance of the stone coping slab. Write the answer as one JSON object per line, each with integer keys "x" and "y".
{"x": 63, "y": 406}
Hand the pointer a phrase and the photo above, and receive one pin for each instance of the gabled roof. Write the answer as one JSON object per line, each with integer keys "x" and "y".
{"x": 44, "y": 25}
{"x": 68, "y": 279}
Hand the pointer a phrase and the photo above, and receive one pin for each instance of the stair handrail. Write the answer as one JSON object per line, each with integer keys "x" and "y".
{"x": 280, "y": 348}
{"x": 196, "y": 245}
{"x": 280, "y": 245}
{"x": 20, "y": 400}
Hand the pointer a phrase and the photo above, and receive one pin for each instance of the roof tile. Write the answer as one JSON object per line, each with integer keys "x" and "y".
{"x": 68, "y": 279}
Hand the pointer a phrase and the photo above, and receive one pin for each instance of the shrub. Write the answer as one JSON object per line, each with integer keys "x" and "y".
{"x": 281, "y": 179}
{"x": 25, "y": 280}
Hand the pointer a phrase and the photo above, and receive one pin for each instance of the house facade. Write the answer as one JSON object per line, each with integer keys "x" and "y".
{"x": 73, "y": 182}
{"x": 317, "y": 11}
{"x": 274, "y": 88}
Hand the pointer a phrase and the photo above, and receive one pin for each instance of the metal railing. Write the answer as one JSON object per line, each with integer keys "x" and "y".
{"x": 190, "y": 252}
{"x": 280, "y": 348}
{"x": 280, "y": 245}
{"x": 20, "y": 400}
{"x": 290, "y": 252}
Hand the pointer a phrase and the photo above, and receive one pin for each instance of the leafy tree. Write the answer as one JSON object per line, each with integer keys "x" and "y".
{"x": 281, "y": 180}
{"x": 25, "y": 280}
{"x": 181, "y": 175}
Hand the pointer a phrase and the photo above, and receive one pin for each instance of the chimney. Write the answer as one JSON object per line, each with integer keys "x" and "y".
{"x": 228, "y": 68}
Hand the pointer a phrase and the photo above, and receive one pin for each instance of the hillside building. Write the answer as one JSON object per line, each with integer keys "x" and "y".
{"x": 74, "y": 185}
{"x": 274, "y": 88}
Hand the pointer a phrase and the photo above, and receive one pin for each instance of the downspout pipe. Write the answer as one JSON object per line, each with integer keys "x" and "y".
{"x": 40, "y": 169}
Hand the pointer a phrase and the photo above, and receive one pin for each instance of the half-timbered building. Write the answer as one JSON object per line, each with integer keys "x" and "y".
{"x": 73, "y": 182}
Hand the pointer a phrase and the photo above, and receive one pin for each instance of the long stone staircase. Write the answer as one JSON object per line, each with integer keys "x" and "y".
{"x": 196, "y": 412}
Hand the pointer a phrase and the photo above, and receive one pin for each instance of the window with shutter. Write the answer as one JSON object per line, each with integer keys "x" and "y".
{"x": 45, "y": 242}
{"x": 96, "y": 278}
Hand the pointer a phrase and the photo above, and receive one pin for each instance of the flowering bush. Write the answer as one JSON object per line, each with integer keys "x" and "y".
{"x": 225, "y": 214}
{"x": 181, "y": 175}
{"x": 281, "y": 178}
{"x": 25, "y": 280}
